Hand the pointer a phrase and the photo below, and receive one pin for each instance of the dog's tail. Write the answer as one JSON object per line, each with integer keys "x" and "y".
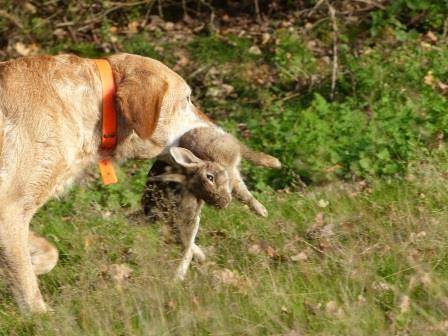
{"x": 259, "y": 158}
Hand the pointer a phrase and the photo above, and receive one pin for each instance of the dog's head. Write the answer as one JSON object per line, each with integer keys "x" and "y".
{"x": 149, "y": 93}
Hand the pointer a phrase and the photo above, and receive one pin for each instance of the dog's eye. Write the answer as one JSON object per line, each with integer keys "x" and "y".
{"x": 210, "y": 177}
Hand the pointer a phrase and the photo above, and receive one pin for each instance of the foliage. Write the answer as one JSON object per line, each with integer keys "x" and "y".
{"x": 216, "y": 49}
{"x": 359, "y": 258}
{"x": 419, "y": 14}
{"x": 294, "y": 61}
{"x": 271, "y": 83}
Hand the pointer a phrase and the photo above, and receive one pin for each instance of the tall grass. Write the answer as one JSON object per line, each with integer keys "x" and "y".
{"x": 346, "y": 259}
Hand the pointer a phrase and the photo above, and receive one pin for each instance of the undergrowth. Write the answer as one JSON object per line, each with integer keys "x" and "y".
{"x": 362, "y": 255}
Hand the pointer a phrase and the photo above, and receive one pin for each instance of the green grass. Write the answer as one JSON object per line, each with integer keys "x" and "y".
{"x": 347, "y": 258}
{"x": 369, "y": 250}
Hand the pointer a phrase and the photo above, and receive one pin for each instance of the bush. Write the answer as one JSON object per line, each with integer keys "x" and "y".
{"x": 387, "y": 117}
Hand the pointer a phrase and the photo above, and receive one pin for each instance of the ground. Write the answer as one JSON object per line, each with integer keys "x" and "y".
{"x": 356, "y": 238}
{"x": 344, "y": 259}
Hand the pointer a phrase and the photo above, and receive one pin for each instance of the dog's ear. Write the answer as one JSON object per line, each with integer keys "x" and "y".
{"x": 140, "y": 98}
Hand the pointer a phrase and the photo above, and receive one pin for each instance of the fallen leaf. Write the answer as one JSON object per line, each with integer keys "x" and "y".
{"x": 323, "y": 203}
{"x": 425, "y": 279}
{"x": 133, "y": 27}
{"x": 361, "y": 299}
{"x": 267, "y": 248}
{"x": 405, "y": 304}
{"x": 168, "y": 26}
{"x": 431, "y": 36}
{"x": 254, "y": 249}
{"x": 254, "y": 50}
{"x": 380, "y": 286}
{"x": 227, "y": 277}
{"x": 302, "y": 256}
{"x": 26, "y": 50}
{"x": 314, "y": 308}
{"x": 265, "y": 38}
{"x": 319, "y": 219}
{"x": 119, "y": 274}
{"x": 331, "y": 307}
{"x": 30, "y": 8}
{"x": 429, "y": 79}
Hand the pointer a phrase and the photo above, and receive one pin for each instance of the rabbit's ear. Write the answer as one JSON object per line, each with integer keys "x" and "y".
{"x": 185, "y": 158}
{"x": 179, "y": 178}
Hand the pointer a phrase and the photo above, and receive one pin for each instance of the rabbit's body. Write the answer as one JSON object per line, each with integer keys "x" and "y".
{"x": 217, "y": 146}
{"x": 176, "y": 192}
{"x": 180, "y": 204}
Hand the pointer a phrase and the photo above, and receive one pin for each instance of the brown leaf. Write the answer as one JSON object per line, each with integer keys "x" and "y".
{"x": 119, "y": 274}
{"x": 133, "y": 27}
{"x": 405, "y": 304}
{"x": 431, "y": 36}
{"x": 26, "y": 50}
{"x": 267, "y": 248}
{"x": 302, "y": 256}
{"x": 227, "y": 277}
{"x": 323, "y": 203}
{"x": 254, "y": 50}
{"x": 254, "y": 249}
{"x": 429, "y": 79}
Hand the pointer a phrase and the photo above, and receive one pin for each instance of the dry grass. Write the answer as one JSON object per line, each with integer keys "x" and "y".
{"x": 346, "y": 259}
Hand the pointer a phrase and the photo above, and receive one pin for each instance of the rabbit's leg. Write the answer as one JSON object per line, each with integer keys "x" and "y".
{"x": 188, "y": 236}
{"x": 198, "y": 254}
{"x": 241, "y": 193}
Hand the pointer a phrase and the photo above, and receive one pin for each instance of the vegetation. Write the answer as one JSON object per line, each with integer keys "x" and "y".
{"x": 350, "y": 95}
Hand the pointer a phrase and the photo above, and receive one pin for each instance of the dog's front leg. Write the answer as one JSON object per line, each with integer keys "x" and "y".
{"x": 16, "y": 260}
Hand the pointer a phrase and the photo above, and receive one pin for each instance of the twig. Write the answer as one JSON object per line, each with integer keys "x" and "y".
{"x": 184, "y": 8}
{"x": 212, "y": 14}
{"x": 99, "y": 17}
{"x": 198, "y": 71}
{"x": 148, "y": 13}
{"x": 14, "y": 19}
{"x": 257, "y": 11}
{"x": 290, "y": 96}
{"x": 372, "y": 3}
{"x": 445, "y": 29}
{"x": 334, "y": 24}
{"x": 318, "y": 4}
{"x": 159, "y": 6}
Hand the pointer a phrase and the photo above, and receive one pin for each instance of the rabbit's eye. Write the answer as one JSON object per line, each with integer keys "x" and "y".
{"x": 210, "y": 177}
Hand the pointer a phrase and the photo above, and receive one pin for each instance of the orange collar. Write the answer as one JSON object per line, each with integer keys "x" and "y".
{"x": 109, "y": 127}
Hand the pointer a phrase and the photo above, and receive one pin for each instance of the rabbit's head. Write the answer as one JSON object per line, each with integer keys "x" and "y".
{"x": 206, "y": 180}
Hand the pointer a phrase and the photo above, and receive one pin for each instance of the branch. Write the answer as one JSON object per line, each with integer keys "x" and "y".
{"x": 257, "y": 11}
{"x": 334, "y": 24}
{"x": 14, "y": 19}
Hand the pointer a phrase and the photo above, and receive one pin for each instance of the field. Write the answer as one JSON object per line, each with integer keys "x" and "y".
{"x": 356, "y": 238}
{"x": 345, "y": 259}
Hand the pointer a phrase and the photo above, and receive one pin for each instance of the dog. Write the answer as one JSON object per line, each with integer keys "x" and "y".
{"x": 50, "y": 131}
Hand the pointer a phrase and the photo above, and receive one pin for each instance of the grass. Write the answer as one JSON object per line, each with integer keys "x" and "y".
{"x": 345, "y": 259}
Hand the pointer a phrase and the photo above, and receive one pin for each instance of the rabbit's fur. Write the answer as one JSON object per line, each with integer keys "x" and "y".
{"x": 217, "y": 146}
{"x": 175, "y": 193}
